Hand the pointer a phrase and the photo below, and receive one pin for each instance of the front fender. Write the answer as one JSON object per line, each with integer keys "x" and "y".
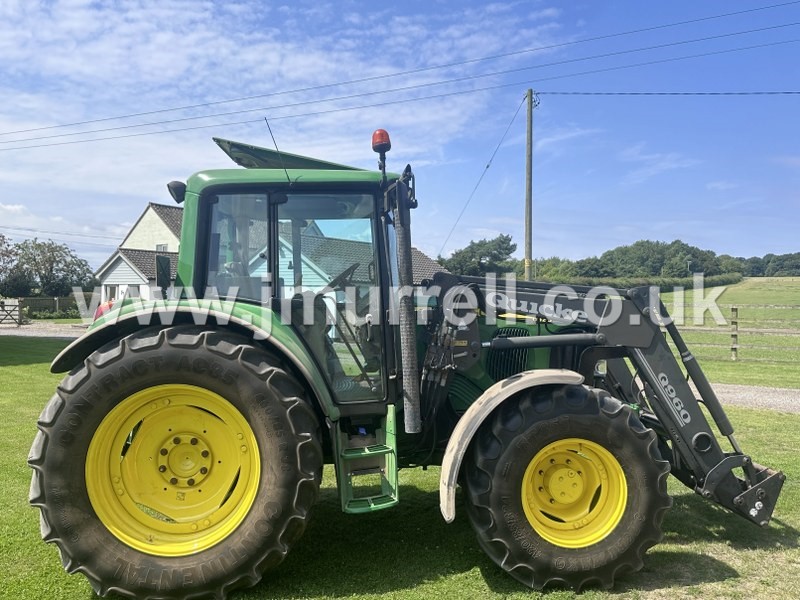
{"x": 476, "y": 414}
{"x": 243, "y": 320}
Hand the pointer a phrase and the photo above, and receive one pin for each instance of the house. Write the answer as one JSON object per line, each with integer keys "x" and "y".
{"x": 132, "y": 268}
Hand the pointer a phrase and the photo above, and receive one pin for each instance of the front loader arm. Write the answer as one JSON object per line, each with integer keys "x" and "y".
{"x": 672, "y": 400}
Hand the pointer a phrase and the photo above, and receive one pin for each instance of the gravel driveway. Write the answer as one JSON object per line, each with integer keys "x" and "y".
{"x": 787, "y": 400}
{"x": 44, "y": 329}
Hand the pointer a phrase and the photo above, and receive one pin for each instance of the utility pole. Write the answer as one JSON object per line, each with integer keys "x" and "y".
{"x": 533, "y": 102}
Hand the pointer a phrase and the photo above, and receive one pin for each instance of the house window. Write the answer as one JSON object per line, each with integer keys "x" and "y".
{"x": 162, "y": 247}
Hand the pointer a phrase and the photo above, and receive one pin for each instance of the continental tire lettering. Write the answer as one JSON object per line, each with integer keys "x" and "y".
{"x": 170, "y": 579}
{"x": 201, "y": 366}
{"x": 682, "y": 416}
{"x": 61, "y": 511}
{"x": 518, "y": 528}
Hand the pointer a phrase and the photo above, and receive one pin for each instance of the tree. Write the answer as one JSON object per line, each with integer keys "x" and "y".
{"x": 18, "y": 283}
{"x": 593, "y": 267}
{"x": 644, "y": 258}
{"x": 554, "y": 269}
{"x": 754, "y": 266}
{"x": 729, "y": 264}
{"x": 482, "y": 257}
{"x": 784, "y": 265}
{"x": 55, "y": 268}
{"x": 8, "y": 256}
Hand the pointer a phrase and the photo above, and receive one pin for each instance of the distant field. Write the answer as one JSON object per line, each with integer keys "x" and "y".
{"x": 769, "y": 332}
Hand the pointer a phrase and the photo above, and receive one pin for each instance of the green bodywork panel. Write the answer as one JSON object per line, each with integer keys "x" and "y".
{"x": 468, "y": 385}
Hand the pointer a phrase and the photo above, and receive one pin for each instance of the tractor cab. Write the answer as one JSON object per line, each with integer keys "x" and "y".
{"x": 315, "y": 242}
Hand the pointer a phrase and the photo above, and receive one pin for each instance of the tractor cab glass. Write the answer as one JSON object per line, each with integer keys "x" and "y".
{"x": 238, "y": 247}
{"x": 316, "y": 260}
{"x": 327, "y": 271}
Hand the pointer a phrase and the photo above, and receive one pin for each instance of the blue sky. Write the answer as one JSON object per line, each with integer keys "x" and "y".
{"x": 722, "y": 173}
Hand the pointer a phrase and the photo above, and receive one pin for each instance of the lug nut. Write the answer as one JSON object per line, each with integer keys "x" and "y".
{"x": 164, "y": 452}
{"x": 194, "y": 441}
{"x": 176, "y": 440}
{"x": 203, "y": 470}
{"x": 190, "y": 482}
{"x": 162, "y": 468}
{"x": 174, "y": 480}
{"x": 204, "y": 453}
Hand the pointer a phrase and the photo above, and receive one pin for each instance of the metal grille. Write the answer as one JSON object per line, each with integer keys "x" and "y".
{"x": 505, "y": 363}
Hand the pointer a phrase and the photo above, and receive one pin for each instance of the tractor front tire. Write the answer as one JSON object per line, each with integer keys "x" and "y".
{"x": 175, "y": 463}
{"x": 565, "y": 486}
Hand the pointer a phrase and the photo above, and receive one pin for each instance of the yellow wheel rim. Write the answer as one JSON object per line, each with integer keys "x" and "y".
{"x": 173, "y": 470}
{"x": 574, "y": 493}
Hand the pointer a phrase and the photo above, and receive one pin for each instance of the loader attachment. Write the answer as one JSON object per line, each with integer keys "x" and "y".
{"x": 731, "y": 479}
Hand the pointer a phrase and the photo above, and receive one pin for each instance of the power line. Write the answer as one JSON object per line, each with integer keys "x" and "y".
{"x": 475, "y": 189}
{"x": 87, "y": 235}
{"x": 408, "y": 87}
{"x": 63, "y": 241}
{"x": 412, "y": 71}
{"x": 743, "y": 93}
{"x": 527, "y": 83}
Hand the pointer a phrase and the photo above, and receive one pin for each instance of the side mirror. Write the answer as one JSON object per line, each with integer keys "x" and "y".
{"x": 163, "y": 279}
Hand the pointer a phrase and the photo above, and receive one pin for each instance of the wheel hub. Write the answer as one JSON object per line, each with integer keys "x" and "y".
{"x": 563, "y": 484}
{"x": 184, "y": 460}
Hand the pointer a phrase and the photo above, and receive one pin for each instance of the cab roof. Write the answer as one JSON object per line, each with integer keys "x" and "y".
{"x": 255, "y": 157}
{"x": 265, "y": 166}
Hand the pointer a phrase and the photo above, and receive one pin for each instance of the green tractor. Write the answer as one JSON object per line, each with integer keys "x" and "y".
{"x": 182, "y": 454}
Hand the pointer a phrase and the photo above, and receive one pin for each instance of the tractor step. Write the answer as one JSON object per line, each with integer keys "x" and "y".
{"x": 371, "y": 504}
{"x": 366, "y": 464}
{"x": 374, "y": 450}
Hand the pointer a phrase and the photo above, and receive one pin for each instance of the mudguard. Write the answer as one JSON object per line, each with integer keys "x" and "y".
{"x": 476, "y": 414}
{"x": 280, "y": 337}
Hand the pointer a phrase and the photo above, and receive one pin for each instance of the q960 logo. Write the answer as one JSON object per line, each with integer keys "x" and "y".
{"x": 676, "y": 404}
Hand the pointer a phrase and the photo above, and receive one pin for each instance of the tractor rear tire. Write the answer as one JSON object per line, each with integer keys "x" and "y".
{"x": 175, "y": 463}
{"x": 565, "y": 486}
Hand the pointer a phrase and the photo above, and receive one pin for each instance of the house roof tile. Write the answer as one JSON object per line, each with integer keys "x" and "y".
{"x": 171, "y": 215}
{"x": 145, "y": 261}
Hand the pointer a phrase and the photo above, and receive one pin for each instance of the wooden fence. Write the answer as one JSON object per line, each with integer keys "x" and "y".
{"x": 753, "y": 333}
{"x": 39, "y": 304}
{"x": 10, "y": 312}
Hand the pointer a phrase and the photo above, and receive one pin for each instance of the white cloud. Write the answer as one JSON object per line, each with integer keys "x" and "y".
{"x": 789, "y": 161}
{"x": 721, "y": 186}
{"x": 556, "y": 138}
{"x": 652, "y": 164}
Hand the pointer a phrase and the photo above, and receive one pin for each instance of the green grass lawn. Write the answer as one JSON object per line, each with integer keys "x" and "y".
{"x": 408, "y": 552}
{"x": 59, "y": 321}
{"x": 765, "y": 358}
